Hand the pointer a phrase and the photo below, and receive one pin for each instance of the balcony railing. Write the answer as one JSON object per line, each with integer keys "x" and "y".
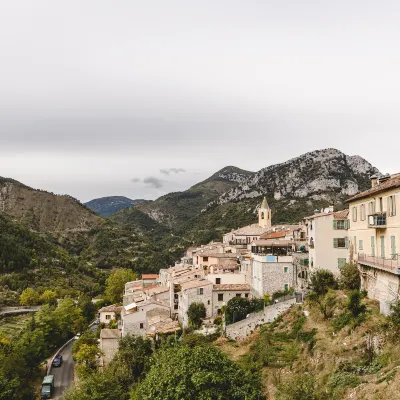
{"x": 388, "y": 264}
{"x": 377, "y": 220}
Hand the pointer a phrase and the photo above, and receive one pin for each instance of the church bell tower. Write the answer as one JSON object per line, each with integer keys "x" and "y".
{"x": 264, "y": 215}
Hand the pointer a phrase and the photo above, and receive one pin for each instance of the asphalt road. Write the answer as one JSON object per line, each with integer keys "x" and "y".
{"x": 64, "y": 375}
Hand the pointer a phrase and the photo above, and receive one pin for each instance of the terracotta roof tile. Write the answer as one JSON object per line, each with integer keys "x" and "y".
{"x": 389, "y": 184}
{"x": 343, "y": 214}
{"x": 231, "y": 286}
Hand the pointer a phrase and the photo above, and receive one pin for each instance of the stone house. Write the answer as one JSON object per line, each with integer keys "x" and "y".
{"x": 195, "y": 291}
{"x": 109, "y": 343}
{"x": 149, "y": 279}
{"x": 135, "y": 316}
{"x": 222, "y": 293}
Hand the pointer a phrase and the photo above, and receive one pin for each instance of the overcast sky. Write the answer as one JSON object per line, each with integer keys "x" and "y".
{"x": 140, "y": 98}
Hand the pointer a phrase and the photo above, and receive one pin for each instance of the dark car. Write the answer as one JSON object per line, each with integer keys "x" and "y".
{"x": 57, "y": 360}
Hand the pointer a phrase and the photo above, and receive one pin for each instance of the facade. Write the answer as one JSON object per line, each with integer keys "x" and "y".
{"x": 109, "y": 343}
{"x": 328, "y": 240}
{"x": 149, "y": 279}
{"x": 135, "y": 316}
{"x": 221, "y": 294}
{"x": 374, "y": 235}
{"x": 109, "y": 313}
{"x": 194, "y": 292}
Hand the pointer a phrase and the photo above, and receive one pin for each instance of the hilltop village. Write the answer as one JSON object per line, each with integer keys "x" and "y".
{"x": 265, "y": 262}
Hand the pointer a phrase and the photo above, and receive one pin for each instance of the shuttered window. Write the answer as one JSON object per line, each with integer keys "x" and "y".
{"x": 354, "y": 213}
{"x": 391, "y": 206}
{"x": 361, "y": 245}
{"x": 340, "y": 243}
{"x": 341, "y": 262}
{"x": 373, "y": 245}
{"x": 393, "y": 244}
{"x": 355, "y": 244}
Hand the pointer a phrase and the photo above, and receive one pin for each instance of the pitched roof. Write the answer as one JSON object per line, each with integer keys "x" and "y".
{"x": 195, "y": 284}
{"x": 389, "y": 184}
{"x": 343, "y": 214}
{"x": 231, "y": 286}
{"x": 275, "y": 235}
{"x": 273, "y": 243}
{"x": 110, "y": 334}
{"x": 264, "y": 203}
{"x": 149, "y": 276}
{"x": 112, "y": 308}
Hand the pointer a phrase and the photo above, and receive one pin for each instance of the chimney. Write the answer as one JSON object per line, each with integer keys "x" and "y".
{"x": 374, "y": 180}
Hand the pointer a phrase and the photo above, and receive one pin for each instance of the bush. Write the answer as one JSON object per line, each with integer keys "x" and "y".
{"x": 350, "y": 277}
{"x": 321, "y": 281}
{"x": 196, "y": 312}
{"x": 298, "y": 387}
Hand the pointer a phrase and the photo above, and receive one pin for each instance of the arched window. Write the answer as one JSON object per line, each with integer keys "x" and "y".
{"x": 262, "y": 215}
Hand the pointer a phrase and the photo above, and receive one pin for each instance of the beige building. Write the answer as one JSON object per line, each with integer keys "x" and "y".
{"x": 374, "y": 235}
{"x": 109, "y": 313}
{"x": 328, "y": 242}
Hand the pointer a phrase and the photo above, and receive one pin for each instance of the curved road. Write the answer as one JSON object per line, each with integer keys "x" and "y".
{"x": 64, "y": 375}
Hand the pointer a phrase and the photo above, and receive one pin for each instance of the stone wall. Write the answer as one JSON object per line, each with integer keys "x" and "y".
{"x": 240, "y": 330}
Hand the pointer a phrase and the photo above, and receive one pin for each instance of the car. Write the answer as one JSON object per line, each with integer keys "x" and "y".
{"x": 57, "y": 360}
{"x": 97, "y": 321}
{"x": 77, "y": 336}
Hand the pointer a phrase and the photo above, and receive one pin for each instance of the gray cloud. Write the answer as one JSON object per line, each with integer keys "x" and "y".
{"x": 134, "y": 180}
{"x": 152, "y": 181}
{"x": 167, "y": 171}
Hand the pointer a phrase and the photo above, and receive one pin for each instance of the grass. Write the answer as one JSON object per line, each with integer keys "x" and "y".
{"x": 11, "y": 326}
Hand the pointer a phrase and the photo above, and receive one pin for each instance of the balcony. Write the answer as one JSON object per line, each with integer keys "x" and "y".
{"x": 377, "y": 220}
{"x": 386, "y": 264}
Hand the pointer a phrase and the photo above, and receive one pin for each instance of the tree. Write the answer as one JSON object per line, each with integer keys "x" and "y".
{"x": 115, "y": 283}
{"x": 350, "y": 277}
{"x": 326, "y": 302}
{"x": 201, "y": 372}
{"x": 196, "y": 312}
{"x": 237, "y": 309}
{"x": 321, "y": 281}
{"x": 49, "y": 297}
{"x": 354, "y": 304}
{"x": 29, "y": 297}
{"x": 86, "y": 358}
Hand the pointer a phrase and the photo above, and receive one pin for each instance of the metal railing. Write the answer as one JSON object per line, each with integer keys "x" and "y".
{"x": 391, "y": 264}
{"x": 377, "y": 220}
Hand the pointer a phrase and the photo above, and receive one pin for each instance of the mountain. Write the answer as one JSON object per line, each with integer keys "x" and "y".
{"x": 294, "y": 189}
{"x": 106, "y": 206}
{"x": 177, "y": 208}
{"x": 318, "y": 175}
{"x": 43, "y": 211}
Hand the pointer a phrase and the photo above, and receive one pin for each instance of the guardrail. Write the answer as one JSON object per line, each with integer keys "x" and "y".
{"x": 387, "y": 264}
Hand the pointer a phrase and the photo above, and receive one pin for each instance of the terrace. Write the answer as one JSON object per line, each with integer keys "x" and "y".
{"x": 391, "y": 264}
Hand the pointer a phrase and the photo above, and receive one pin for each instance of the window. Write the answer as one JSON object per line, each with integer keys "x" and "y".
{"x": 205, "y": 259}
{"x": 362, "y": 212}
{"x": 354, "y": 213}
{"x": 380, "y": 204}
{"x": 141, "y": 325}
{"x": 208, "y": 302}
{"x": 371, "y": 207}
{"x": 340, "y": 224}
{"x": 286, "y": 287}
{"x": 360, "y": 245}
{"x": 393, "y": 245}
{"x": 341, "y": 262}
{"x": 355, "y": 244}
{"x": 217, "y": 281}
{"x": 392, "y": 206}
{"x": 219, "y": 312}
{"x": 238, "y": 295}
{"x": 200, "y": 291}
{"x": 175, "y": 306}
{"x": 285, "y": 270}
{"x": 220, "y": 297}
{"x": 246, "y": 295}
{"x": 108, "y": 316}
{"x": 340, "y": 243}
{"x": 373, "y": 246}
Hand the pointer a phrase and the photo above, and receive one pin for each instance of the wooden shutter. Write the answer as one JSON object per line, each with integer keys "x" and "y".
{"x": 347, "y": 242}
{"x": 389, "y": 209}
{"x": 373, "y": 245}
{"x": 347, "y": 224}
{"x": 334, "y": 224}
{"x": 335, "y": 243}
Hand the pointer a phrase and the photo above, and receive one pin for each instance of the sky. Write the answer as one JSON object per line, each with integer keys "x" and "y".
{"x": 141, "y": 98}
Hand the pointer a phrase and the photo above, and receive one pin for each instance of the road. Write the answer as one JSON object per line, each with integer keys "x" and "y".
{"x": 18, "y": 310}
{"x": 64, "y": 375}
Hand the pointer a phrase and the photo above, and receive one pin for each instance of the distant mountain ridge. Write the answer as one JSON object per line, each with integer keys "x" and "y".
{"x": 314, "y": 178}
{"x": 43, "y": 211}
{"x": 109, "y": 205}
